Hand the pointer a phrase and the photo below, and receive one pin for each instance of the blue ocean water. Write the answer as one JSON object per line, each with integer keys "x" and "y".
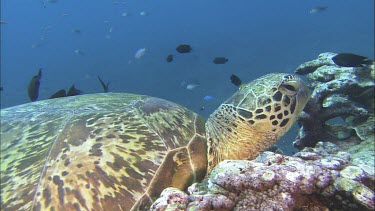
{"x": 74, "y": 41}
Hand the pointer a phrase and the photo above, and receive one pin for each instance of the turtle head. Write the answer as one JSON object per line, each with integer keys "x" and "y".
{"x": 255, "y": 117}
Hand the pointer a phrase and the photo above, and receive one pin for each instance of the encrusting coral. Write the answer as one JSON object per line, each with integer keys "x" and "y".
{"x": 333, "y": 171}
{"x": 318, "y": 178}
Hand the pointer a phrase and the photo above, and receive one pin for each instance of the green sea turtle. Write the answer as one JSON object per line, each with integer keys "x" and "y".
{"x": 115, "y": 151}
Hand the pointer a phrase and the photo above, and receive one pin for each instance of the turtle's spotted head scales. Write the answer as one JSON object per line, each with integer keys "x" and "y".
{"x": 255, "y": 117}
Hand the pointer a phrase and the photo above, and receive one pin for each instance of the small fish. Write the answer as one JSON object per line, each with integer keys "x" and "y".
{"x": 318, "y": 9}
{"x": 139, "y": 53}
{"x": 143, "y": 13}
{"x": 105, "y": 86}
{"x": 235, "y": 80}
{"x": 77, "y": 31}
{"x": 208, "y": 97}
{"x": 124, "y": 14}
{"x": 79, "y": 52}
{"x": 33, "y": 88}
{"x": 183, "y": 48}
{"x": 2, "y": 22}
{"x": 1, "y": 88}
{"x": 191, "y": 86}
{"x": 220, "y": 60}
{"x": 73, "y": 91}
{"x": 351, "y": 60}
{"x": 201, "y": 108}
{"x": 36, "y": 45}
{"x": 60, "y": 93}
{"x": 169, "y": 58}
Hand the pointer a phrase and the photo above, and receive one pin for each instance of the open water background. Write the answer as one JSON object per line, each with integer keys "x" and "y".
{"x": 257, "y": 36}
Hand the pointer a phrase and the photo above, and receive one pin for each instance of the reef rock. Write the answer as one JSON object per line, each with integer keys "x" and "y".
{"x": 341, "y": 104}
{"x": 321, "y": 178}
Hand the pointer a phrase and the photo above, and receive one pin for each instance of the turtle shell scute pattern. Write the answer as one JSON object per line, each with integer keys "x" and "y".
{"x": 95, "y": 152}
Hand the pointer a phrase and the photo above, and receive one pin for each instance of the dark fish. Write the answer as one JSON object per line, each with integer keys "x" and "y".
{"x": 169, "y": 58}
{"x": 33, "y": 88}
{"x": 235, "y": 80}
{"x": 60, "y": 93}
{"x": 318, "y": 9}
{"x": 77, "y": 31}
{"x": 73, "y": 91}
{"x": 351, "y": 60}
{"x": 183, "y": 48}
{"x": 1, "y": 88}
{"x": 220, "y": 60}
{"x": 105, "y": 86}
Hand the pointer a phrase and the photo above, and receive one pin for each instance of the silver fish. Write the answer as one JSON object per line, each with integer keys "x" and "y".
{"x": 191, "y": 86}
{"x": 318, "y": 9}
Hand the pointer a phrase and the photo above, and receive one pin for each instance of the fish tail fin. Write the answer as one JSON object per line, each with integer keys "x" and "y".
{"x": 39, "y": 73}
{"x": 105, "y": 86}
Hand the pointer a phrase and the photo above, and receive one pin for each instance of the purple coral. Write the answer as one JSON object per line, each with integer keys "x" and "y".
{"x": 314, "y": 179}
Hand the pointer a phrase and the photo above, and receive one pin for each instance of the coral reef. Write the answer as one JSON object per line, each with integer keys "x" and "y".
{"x": 345, "y": 93}
{"x": 321, "y": 178}
{"x": 334, "y": 169}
